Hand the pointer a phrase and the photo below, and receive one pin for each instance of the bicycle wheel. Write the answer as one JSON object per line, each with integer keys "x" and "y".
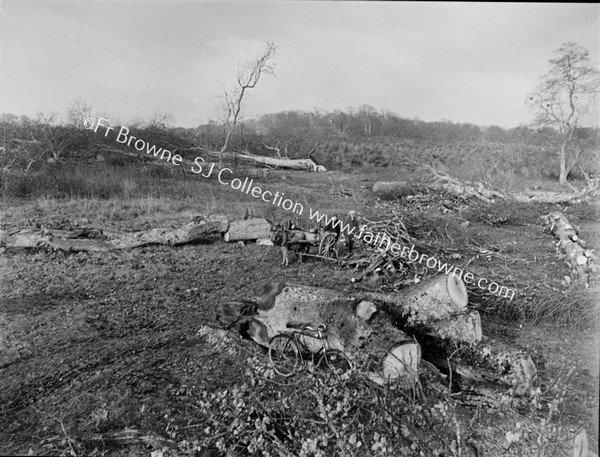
{"x": 335, "y": 361}
{"x": 284, "y": 354}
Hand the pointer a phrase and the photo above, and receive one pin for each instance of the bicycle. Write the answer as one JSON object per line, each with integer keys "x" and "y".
{"x": 287, "y": 350}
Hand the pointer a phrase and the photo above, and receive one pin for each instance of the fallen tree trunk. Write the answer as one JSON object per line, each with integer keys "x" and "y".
{"x": 248, "y": 229}
{"x": 436, "y": 307}
{"x": 389, "y": 186}
{"x": 572, "y": 247}
{"x": 200, "y": 229}
{"x": 464, "y": 328}
{"x": 551, "y": 197}
{"x": 478, "y": 190}
{"x": 587, "y": 193}
{"x": 447, "y": 184}
{"x": 292, "y": 164}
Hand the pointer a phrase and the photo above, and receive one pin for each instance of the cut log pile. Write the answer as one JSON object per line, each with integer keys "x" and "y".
{"x": 582, "y": 261}
{"x": 387, "y": 334}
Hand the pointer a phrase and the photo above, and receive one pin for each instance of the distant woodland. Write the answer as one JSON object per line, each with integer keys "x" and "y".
{"x": 358, "y": 139}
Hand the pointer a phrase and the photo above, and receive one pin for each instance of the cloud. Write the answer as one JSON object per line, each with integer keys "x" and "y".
{"x": 465, "y": 62}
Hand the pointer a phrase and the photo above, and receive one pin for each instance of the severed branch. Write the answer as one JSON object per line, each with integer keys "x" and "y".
{"x": 277, "y": 150}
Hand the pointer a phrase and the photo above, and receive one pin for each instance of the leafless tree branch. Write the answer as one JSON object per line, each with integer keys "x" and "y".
{"x": 248, "y": 75}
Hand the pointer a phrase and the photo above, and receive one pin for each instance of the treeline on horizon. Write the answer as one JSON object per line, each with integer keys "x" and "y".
{"x": 365, "y": 136}
{"x": 349, "y": 140}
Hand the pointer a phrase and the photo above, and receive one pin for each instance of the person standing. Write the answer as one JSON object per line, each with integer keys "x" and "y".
{"x": 351, "y": 227}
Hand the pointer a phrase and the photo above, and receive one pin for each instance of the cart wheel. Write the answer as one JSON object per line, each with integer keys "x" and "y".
{"x": 327, "y": 246}
{"x": 335, "y": 361}
{"x": 284, "y": 354}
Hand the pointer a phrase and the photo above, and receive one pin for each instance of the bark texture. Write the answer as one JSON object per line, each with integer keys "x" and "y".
{"x": 291, "y": 164}
{"x": 95, "y": 239}
{"x": 248, "y": 229}
{"x": 388, "y": 334}
{"x": 433, "y": 299}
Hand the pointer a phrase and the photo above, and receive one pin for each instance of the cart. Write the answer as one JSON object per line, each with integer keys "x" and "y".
{"x": 301, "y": 241}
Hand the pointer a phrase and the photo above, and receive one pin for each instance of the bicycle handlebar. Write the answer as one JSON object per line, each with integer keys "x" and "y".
{"x": 309, "y": 327}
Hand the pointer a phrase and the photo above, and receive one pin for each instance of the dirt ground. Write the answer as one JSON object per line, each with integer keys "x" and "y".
{"x": 116, "y": 334}
{"x": 95, "y": 342}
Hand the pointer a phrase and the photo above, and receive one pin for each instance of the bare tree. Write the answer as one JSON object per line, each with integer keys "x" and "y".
{"x": 248, "y": 76}
{"x": 161, "y": 120}
{"x": 51, "y": 136}
{"x": 20, "y": 149}
{"x": 565, "y": 99}
{"x": 78, "y": 111}
{"x": 367, "y": 114}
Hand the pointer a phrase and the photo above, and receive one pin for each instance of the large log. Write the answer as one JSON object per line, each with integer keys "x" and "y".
{"x": 389, "y": 186}
{"x": 292, "y": 164}
{"x": 402, "y": 359}
{"x": 434, "y": 299}
{"x": 200, "y": 229}
{"x": 551, "y": 197}
{"x": 462, "y": 328}
{"x": 248, "y": 229}
{"x": 318, "y": 306}
{"x": 478, "y": 190}
{"x": 436, "y": 307}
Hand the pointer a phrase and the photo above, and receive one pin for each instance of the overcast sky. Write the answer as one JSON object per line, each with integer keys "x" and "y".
{"x": 464, "y": 62}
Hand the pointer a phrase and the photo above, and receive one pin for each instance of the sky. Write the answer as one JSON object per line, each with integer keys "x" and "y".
{"x": 463, "y": 62}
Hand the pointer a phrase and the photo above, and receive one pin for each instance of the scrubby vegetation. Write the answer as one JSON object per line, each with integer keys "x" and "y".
{"x": 354, "y": 142}
{"x": 98, "y": 343}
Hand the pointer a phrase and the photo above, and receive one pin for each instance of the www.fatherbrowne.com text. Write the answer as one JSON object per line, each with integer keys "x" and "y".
{"x": 247, "y": 186}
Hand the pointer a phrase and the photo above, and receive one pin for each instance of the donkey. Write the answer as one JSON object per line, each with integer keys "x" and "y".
{"x": 287, "y": 240}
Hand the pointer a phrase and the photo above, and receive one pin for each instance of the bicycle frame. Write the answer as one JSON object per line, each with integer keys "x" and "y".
{"x": 296, "y": 341}
{"x": 301, "y": 344}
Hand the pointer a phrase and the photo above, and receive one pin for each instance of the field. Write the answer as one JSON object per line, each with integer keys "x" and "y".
{"x": 101, "y": 342}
